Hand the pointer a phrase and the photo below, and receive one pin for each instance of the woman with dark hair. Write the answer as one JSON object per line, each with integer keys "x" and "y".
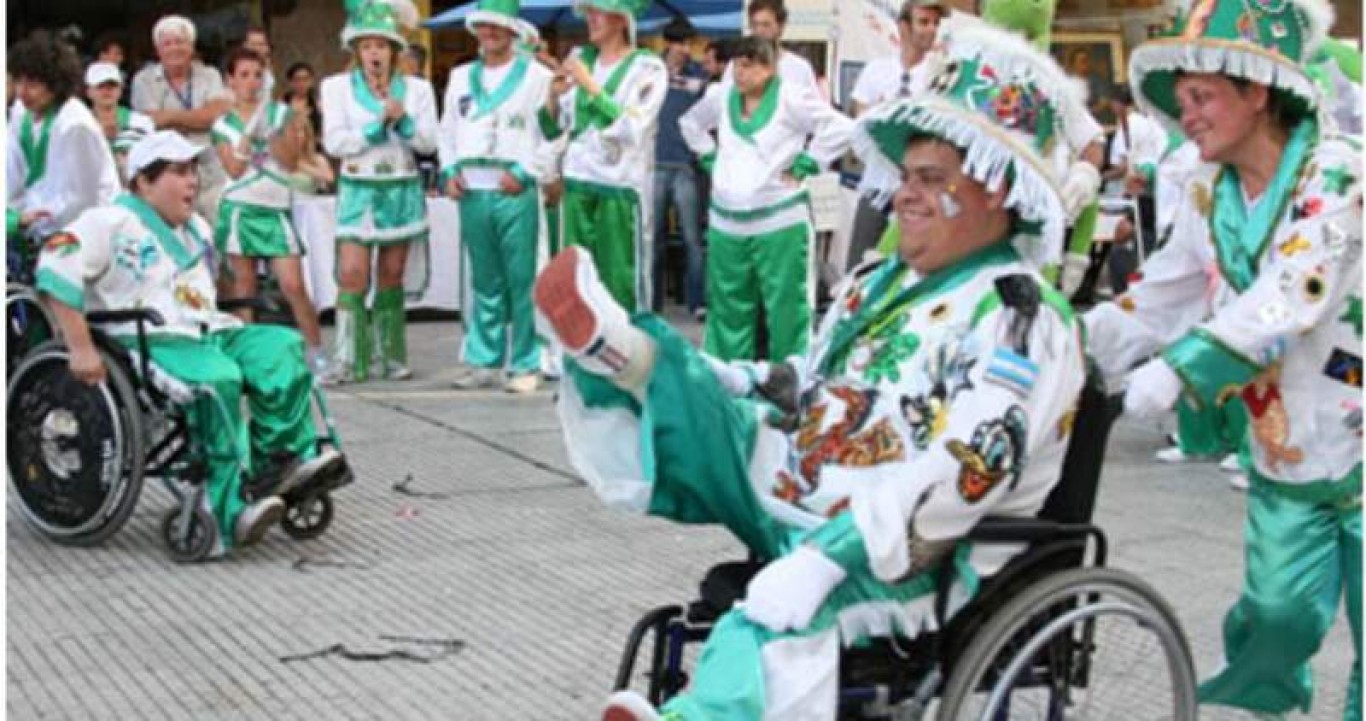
{"x": 69, "y": 165}
{"x": 1267, "y": 246}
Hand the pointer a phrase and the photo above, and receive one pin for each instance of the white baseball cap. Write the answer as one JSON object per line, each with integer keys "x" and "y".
{"x": 100, "y": 73}
{"x": 165, "y": 145}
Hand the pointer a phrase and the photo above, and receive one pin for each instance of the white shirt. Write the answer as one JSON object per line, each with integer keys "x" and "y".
{"x": 622, "y": 154}
{"x": 354, "y": 130}
{"x": 80, "y": 171}
{"x": 885, "y": 79}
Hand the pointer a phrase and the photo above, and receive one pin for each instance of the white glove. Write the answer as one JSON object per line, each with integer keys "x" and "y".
{"x": 734, "y": 376}
{"x": 1074, "y": 267}
{"x": 1079, "y": 188}
{"x": 1153, "y": 390}
{"x": 786, "y": 594}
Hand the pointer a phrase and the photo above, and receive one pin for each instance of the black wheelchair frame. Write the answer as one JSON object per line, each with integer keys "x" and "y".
{"x": 888, "y": 678}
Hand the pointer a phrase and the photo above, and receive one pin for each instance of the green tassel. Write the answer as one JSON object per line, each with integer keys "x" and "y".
{"x": 354, "y": 337}
{"x": 390, "y": 326}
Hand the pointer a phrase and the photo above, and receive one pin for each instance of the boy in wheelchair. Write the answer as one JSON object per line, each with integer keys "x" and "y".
{"x": 939, "y": 389}
{"x": 148, "y": 250}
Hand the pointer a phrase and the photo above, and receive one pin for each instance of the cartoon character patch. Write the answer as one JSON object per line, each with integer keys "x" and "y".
{"x": 847, "y": 442}
{"x": 135, "y": 255}
{"x": 1270, "y": 423}
{"x": 62, "y": 245}
{"x": 1295, "y": 245}
{"x": 995, "y": 454}
{"x": 1307, "y": 208}
{"x": 947, "y": 370}
{"x": 190, "y": 297}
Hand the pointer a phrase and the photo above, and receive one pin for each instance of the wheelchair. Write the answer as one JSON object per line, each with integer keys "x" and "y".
{"x": 27, "y": 321}
{"x": 1027, "y": 645}
{"x": 78, "y": 455}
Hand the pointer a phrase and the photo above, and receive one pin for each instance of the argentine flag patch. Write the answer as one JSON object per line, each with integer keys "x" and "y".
{"x": 1012, "y": 371}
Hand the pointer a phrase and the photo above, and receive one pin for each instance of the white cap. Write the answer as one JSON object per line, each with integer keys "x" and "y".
{"x": 165, "y": 145}
{"x": 100, "y": 73}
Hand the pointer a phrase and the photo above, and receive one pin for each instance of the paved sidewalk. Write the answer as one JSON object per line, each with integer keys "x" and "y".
{"x": 512, "y": 556}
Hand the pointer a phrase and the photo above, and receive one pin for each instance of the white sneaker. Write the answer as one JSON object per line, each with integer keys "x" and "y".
{"x": 522, "y": 384}
{"x": 395, "y": 371}
{"x": 476, "y": 378}
{"x": 327, "y": 464}
{"x": 629, "y": 706}
{"x": 585, "y": 319}
{"x": 256, "y": 519}
{"x": 1171, "y": 455}
{"x": 1230, "y": 464}
{"x": 1237, "y": 481}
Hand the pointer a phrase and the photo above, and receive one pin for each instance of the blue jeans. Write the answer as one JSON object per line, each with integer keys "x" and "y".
{"x": 677, "y": 184}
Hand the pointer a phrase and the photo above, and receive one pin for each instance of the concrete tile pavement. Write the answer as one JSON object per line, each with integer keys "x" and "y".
{"x": 513, "y": 557}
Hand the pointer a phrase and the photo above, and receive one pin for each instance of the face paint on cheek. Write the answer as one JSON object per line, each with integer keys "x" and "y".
{"x": 947, "y": 205}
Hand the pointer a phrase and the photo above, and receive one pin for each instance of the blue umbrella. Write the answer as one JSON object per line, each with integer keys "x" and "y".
{"x": 709, "y": 16}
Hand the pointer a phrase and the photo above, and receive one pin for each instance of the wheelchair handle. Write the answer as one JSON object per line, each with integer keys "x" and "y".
{"x": 139, "y": 316}
{"x": 130, "y": 315}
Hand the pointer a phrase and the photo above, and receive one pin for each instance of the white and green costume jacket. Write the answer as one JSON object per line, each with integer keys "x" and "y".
{"x": 123, "y": 255}
{"x": 792, "y": 131}
{"x": 611, "y": 136}
{"x": 926, "y": 403}
{"x": 265, "y": 184}
{"x": 355, "y": 133}
{"x": 488, "y": 128}
{"x": 1282, "y": 282}
{"x": 69, "y": 164}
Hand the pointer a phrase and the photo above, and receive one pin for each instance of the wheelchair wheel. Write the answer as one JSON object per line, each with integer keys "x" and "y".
{"x": 75, "y": 451}
{"x": 27, "y": 324}
{"x": 1089, "y": 643}
{"x": 308, "y": 518}
{"x": 191, "y": 544}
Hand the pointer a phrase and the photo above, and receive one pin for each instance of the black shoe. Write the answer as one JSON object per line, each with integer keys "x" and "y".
{"x": 270, "y": 480}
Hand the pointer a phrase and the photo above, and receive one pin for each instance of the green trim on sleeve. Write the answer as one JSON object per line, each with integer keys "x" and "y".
{"x": 60, "y": 288}
{"x": 804, "y": 167}
{"x": 708, "y": 162}
{"x": 12, "y": 217}
{"x": 447, "y": 173}
{"x": 375, "y": 132}
{"x": 839, "y": 540}
{"x": 550, "y": 127}
{"x": 603, "y": 111}
{"x": 522, "y": 176}
{"x": 1208, "y": 367}
{"x": 1147, "y": 170}
{"x": 406, "y": 127}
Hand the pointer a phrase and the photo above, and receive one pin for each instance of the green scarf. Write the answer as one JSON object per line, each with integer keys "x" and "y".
{"x": 361, "y": 89}
{"x": 1240, "y": 239}
{"x": 768, "y": 104}
{"x": 166, "y": 237}
{"x": 484, "y": 102}
{"x": 35, "y": 153}
{"x": 614, "y": 81}
{"x": 879, "y": 304}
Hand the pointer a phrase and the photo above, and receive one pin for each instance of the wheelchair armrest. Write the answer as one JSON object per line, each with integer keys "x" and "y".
{"x": 1004, "y": 529}
{"x": 128, "y": 315}
{"x": 228, "y": 305}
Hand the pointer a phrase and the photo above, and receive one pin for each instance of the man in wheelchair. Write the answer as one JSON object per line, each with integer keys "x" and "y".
{"x": 147, "y": 250}
{"x": 940, "y": 388}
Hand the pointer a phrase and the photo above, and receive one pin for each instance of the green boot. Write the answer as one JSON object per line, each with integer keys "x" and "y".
{"x": 353, "y": 341}
{"x": 392, "y": 332}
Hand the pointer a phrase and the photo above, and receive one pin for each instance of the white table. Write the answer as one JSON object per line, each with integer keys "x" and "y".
{"x": 315, "y": 217}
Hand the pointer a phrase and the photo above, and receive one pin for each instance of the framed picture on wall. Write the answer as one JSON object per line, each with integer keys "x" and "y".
{"x": 849, "y": 72}
{"x": 1098, "y": 59}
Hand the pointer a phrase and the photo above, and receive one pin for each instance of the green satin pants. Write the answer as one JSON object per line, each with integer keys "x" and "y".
{"x": 500, "y": 233}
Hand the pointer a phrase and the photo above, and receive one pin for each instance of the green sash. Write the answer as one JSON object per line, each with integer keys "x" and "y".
{"x": 361, "y": 89}
{"x": 35, "y": 153}
{"x": 614, "y": 81}
{"x": 166, "y": 237}
{"x": 768, "y": 104}
{"x": 1240, "y": 240}
{"x": 485, "y": 102}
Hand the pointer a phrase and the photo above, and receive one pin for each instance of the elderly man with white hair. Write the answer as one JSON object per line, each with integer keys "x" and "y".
{"x": 182, "y": 94}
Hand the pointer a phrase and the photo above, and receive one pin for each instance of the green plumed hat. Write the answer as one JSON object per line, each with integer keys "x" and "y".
{"x": 630, "y": 8}
{"x": 1268, "y": 42}
{"x": 1005, "y": 104}
{"x": 502, "y": 13}
{"x": 379, "y": 19}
